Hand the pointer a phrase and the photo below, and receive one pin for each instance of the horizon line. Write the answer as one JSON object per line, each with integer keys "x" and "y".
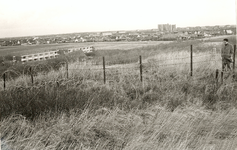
{"x": 106, "y": 31}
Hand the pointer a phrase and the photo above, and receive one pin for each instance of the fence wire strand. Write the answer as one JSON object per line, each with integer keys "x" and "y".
{"x": 153, "y": 64}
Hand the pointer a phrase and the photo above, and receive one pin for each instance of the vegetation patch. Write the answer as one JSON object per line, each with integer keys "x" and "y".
{"x": 168, "y": 109}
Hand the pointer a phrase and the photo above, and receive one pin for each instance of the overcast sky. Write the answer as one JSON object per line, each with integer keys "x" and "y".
{"x": 29, "y": 17}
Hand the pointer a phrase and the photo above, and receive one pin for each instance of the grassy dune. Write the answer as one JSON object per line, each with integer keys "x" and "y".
{"x": 168, "y": 110}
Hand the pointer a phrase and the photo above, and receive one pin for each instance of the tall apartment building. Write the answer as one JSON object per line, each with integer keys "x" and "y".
{"x": 173, "y": 27}
{"x": 166, "y": 27}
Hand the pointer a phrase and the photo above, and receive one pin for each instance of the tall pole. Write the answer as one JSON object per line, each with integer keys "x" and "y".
{"x": 217, "y": 73}
{"x": 67, "y": 68}
{"x": 104, "y": 69}
{"x": 222, "y": 76}
{"x": 234, "y": 61}
{"x": 191, "y": 59}
{"x": 140, "y": 67}
{"x": 4, "y": 80}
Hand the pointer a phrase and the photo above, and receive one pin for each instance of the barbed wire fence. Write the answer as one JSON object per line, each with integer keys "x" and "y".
{"x": 112, "y": 73}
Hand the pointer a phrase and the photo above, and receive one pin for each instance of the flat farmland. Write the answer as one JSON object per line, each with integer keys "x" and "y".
{"x": 125, "y": 45}
{"x": 30, "y": 49}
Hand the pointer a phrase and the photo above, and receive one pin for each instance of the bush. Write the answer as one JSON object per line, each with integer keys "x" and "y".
{"x": 8, "y": 57}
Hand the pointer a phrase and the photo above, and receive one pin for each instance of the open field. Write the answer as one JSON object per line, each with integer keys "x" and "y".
{"x": 29, "y": 49}
{"x": 168, "y": 110}
{"x": 10, "y": 51}
{"x": 232, "y": 38}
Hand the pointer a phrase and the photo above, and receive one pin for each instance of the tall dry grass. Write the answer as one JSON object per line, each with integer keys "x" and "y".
{"x": 168, "y": 110}
{"x": 153, "y": 128}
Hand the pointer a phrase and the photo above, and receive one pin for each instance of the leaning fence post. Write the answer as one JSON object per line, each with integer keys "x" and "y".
{"x": 104, "y": 69}
{"x": 140, "y": 67}
{"x": 191, "y": 59}
{"x": 4, "y": 81}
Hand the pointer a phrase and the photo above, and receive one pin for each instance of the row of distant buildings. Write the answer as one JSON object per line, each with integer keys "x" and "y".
{"x": 162, "y": 32}
{"x": 108, "y": 36}
{"x": 170, "y": 31}
{"x": 172, "y": 28}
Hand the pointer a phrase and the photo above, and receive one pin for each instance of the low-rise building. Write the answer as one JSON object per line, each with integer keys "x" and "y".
{"x": 106, "y": 33}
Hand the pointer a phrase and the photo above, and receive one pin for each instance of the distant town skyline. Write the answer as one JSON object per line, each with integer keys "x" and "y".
{"x": 27, "y": 18}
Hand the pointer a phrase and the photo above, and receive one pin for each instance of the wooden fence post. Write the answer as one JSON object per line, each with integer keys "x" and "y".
{"x": 31, "y": 74}
{"x": 234, "y": 61}
{"x": 4, "y": 81}
{"x": 67, "y": 68}
{"x": 222, "y": 74}
{"x": 217, "y": 74}
{"x": 140, "y": 67}
{"x": 104, "y": 69}
{"x": 191, "y": 59}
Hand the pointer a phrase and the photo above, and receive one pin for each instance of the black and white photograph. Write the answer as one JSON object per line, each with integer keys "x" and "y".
{"x": 118, "y": 75}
